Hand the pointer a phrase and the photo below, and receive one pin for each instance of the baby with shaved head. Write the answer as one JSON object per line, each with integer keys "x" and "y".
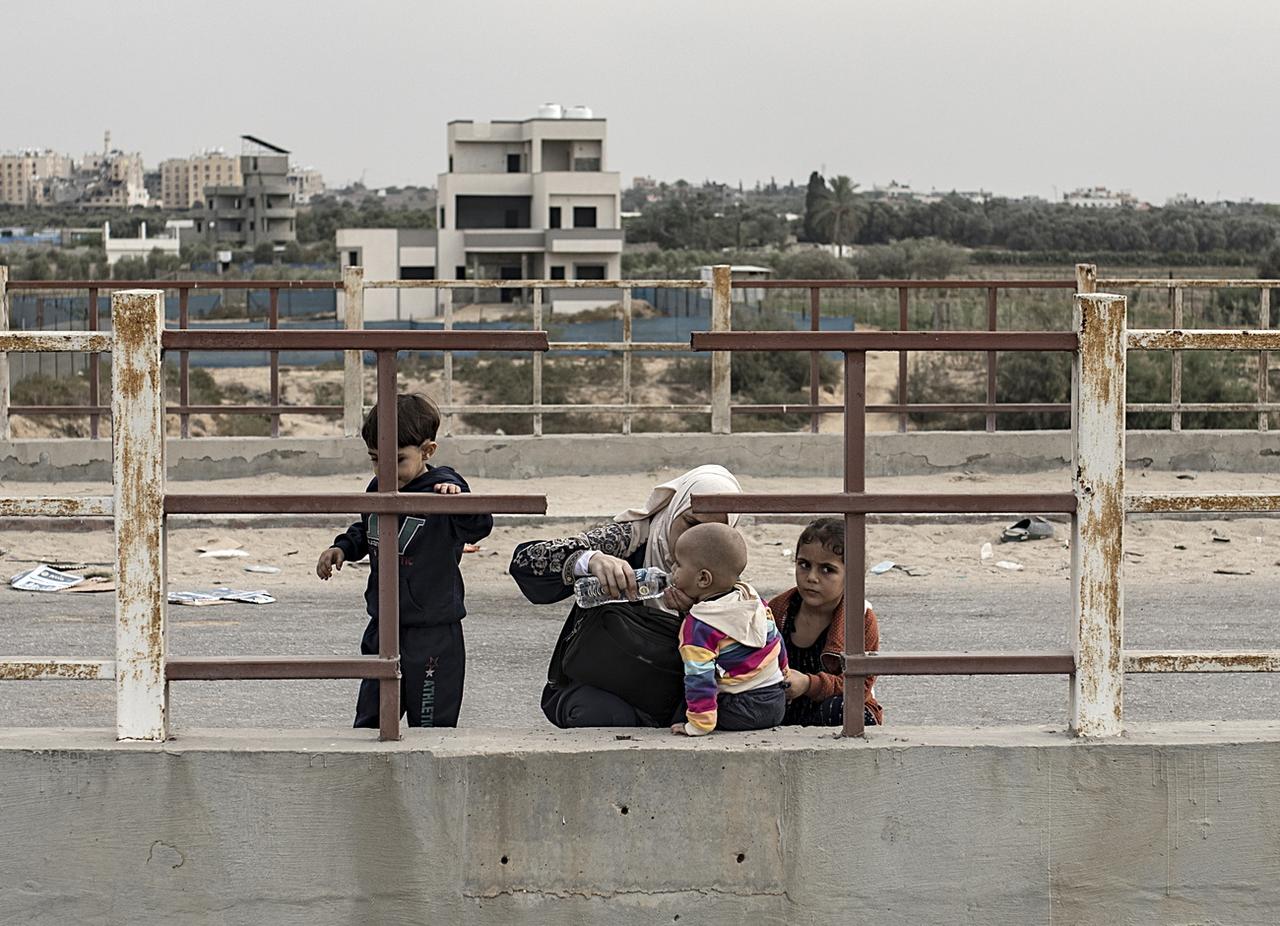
{"x": 734, "y": 660}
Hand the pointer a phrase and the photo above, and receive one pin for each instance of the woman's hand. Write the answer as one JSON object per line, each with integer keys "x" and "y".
{"x": 446, "y": 488}
{"x": 614, "y": 574}
{"x": 797, "y": 684}
{"x": 677, "y": 600}
{"x": 330, "y": 560}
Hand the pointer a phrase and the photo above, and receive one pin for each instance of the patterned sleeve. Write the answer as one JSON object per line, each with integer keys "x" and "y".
{"x": 544, "y": 568}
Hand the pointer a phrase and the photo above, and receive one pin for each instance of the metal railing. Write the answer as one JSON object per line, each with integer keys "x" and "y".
{"x": 1087, "y": 281}
{"x": 1097, "y": 504}
{"x": 142, "y": 667}
{"x": 720, "y": 407}
{"x": 184, "y": 409}
{"x": 355, "y": 286}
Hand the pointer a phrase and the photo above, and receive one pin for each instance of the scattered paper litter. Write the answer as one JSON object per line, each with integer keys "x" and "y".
{"x": 787, "y": 552}
{"x": 986, "y": 552}
{"x": 223, "y": 554}
{"x": 44, "y": 579}
{"x": 881, "y": 568}
{"x": 269, "y": 570}
{"x": 1010, "y": 565}
{"x": 220, "y": 594}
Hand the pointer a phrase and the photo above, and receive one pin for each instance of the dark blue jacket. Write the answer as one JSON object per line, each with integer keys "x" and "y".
{"x": 430, "y": 548}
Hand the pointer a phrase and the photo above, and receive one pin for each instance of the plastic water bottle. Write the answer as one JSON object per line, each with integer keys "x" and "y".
{"x": 590, "y": 592}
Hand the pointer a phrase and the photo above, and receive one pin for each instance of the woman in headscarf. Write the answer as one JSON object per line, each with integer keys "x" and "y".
{"x": 618, "y": 665}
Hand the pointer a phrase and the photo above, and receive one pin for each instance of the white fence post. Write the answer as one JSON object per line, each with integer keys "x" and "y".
{"x": 352, "y": 360}
{"x": 721, "y": 361}
{"x": 137, "y": 446}
{"x": 1097, "y": 530}
{"x": 4, "y": 357}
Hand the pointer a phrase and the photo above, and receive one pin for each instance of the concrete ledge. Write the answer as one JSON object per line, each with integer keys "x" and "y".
{"x": 765, "y": 454}
{"x": 1174, "y": 823}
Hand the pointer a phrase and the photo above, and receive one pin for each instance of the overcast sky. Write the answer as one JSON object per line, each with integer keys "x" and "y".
{"x": 1013, "y": 96}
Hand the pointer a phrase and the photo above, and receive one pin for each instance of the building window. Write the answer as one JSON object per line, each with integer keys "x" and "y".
{"x": 513, "y": 163}
{"x": 460, "y": 272}
{"x": 417, "y": 273}
{"x": 353, "y": 258}
{"x": 584, "y": 217}
{"x": 588, "y": 271}
{"x": 557, "y": 273}
{"x": 442, "y": 216}
{"x": 511, "y": 218}
{"x": 553, "y": 219}
{"x": 451, "y": 163}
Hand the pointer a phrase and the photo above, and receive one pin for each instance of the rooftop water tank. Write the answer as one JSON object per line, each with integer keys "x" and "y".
{"x": 550, "y": 111}
{"x": 578, "y": 112}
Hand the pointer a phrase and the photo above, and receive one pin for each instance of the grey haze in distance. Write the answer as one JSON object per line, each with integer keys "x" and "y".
{"x": 1014, "y": 97}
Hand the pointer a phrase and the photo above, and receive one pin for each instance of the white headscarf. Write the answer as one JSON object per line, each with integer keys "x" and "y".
{"x": 670, "y": 500}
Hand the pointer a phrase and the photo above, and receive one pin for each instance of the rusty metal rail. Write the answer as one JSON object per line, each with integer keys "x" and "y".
{"x": 719, "y": 406}
{"x": 94, "y": 289}
{"x": 1175, "y": 340}
{"x": 143, "y": 668}
{"x": 1098, "y": 505}
{"x": 855, "y": 503}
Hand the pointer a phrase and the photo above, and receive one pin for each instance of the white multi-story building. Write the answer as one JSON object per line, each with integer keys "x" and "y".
{"x": 526, "y": 199}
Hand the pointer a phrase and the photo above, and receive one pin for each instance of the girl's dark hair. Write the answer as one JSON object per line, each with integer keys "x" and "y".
{"x": 417, "y": 421}
{"x": 829, "y": 532}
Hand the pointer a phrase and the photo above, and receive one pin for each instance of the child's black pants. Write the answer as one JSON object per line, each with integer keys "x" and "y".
{"x": 433, "y": 662}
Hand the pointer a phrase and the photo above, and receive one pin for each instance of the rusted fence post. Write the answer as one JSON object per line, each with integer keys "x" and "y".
{"x": 1264, "y": 386}
{"x": 626, "y": 357}
{"x": 352, "y": 360}
{"x": 137, "y": 446}
{"x": 537, "y": 366}
{"x": 1175, "y": 376}
{"x": 4, "y": 357}
{"x": 1086, "y": 278}
{"x": 722, "y": 360}
{"x": 1097, "y": 529}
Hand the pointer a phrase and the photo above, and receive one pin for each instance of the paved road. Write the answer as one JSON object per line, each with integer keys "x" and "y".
{"x": 507, "y": 654}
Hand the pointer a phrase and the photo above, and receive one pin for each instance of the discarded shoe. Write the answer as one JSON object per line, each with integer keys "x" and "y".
{"x": 1036, "y": 528}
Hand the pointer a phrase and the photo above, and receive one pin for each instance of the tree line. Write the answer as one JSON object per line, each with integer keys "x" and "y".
{"x": 999, "y": 228}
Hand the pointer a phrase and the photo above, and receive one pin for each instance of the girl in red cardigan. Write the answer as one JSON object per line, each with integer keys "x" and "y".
{"x": 810, "y": 618}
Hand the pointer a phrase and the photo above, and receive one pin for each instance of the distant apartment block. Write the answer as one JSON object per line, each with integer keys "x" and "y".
{"x": 528, "y": 199}
{"x": 305, "y": 182}
{"x": 26, "y": 177}
{"x": 258, "y": 210}
{"x": 1099, "y": 197}
{"x": 183, "y": 180}
{"x": 113, "y": 178}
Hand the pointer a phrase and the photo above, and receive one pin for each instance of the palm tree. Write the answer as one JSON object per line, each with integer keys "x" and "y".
{"x": 837, "y": 211}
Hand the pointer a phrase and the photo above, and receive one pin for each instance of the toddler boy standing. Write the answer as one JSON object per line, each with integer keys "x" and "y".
{"x": 432, "y": 653}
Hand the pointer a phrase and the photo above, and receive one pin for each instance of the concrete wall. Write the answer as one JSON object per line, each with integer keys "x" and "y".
{"x": 1169, "y": 825}
{"x": 772, "y": 454}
